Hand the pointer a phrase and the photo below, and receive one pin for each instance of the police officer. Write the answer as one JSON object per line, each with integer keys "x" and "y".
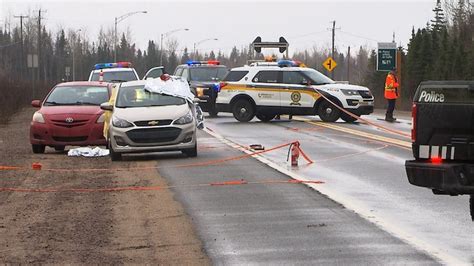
{"x": 391, "y": 94}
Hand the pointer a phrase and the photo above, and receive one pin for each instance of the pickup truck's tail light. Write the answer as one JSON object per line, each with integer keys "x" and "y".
{"x": 414, "y": 109}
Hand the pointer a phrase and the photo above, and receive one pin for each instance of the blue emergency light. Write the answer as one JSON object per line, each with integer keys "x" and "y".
{"x": 208, "y": 62}
{"x": 112, "y": 65}
{"x": 290, "y": 63}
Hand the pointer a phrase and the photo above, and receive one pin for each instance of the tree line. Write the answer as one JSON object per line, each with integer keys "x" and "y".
{"x": 442, "y": 50}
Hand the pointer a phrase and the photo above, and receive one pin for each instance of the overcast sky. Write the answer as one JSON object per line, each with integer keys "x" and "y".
{"x": 304, "y": 24}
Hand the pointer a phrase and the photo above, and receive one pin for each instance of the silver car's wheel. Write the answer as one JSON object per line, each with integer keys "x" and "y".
{"x": 114, "y": 156}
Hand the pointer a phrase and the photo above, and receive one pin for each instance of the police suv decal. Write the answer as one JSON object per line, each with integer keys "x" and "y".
{"x": 431, "y": 97}
{"x": 295, "y": 98}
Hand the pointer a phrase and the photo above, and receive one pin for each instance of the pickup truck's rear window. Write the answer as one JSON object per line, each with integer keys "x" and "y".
{"x": 445, "y": 94}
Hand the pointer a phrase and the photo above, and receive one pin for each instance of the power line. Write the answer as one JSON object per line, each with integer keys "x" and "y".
{"x": 307, "y": 34}
{"x": 358, "y": 36}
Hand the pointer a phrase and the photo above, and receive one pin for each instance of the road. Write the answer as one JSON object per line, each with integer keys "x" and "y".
{"x": 363, "y": 169}
{"x": 225, "y": 207}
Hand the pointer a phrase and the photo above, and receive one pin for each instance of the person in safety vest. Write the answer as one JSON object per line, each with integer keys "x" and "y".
{"x": 391, "y": 94}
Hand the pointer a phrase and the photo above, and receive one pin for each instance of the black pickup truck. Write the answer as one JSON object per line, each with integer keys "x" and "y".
{"x": 203, "y": 78}
{"x": 443, "y": 138}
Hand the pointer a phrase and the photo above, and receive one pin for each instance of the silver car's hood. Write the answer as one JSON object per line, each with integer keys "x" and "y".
{"x": 132, "y": 114}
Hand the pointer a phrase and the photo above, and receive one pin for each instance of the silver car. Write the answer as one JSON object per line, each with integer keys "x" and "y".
{"x": 144, "y": 121}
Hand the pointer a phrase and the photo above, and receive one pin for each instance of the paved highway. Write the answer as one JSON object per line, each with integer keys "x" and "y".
{"x": 253, "y": 215}
{"x": 363, "y": 169}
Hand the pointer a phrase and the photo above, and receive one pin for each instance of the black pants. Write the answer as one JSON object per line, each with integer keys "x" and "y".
{"x": 391, "y": 106}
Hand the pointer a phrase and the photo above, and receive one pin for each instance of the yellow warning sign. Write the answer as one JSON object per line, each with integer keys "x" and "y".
{"x": 329, "y": 64}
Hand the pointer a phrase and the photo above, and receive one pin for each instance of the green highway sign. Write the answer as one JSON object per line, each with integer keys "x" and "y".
{"x": 386, "y": 56}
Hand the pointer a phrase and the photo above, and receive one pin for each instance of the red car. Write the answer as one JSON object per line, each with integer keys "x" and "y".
{"x": 70, "y": 116}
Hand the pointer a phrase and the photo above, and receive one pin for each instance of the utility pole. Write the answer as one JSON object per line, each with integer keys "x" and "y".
{"x": 39, "y": 44}
{"x": 332, "y": 51}
{"x": 22, "y": 55}
{"x": 348, "y": 63}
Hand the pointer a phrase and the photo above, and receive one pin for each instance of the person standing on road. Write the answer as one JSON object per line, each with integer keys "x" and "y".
{"x": 391, "y": 94}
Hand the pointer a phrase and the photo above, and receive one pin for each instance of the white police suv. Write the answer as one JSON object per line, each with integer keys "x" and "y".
{"x": 113, "y": 72}
{"x": 267, "y": 89}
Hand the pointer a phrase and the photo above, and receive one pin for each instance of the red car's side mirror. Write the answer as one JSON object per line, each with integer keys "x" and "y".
{"x": 36, "y": 103}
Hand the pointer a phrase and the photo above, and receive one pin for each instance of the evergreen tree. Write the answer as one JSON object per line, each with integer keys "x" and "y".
{"x": 439, "y": 20}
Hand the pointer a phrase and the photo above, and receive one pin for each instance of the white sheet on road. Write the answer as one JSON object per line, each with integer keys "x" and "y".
{"x": 88, "y": 152}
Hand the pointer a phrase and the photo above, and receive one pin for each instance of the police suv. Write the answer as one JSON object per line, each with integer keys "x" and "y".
{"x": 113, "y": 72}
{"x": 443, "y": 138}
{"x": 267, "y": 89}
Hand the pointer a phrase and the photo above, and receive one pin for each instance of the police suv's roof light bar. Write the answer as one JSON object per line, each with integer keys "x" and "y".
{"x": 290, "y": 63}
{"x": 113, "y": 65}
{"x": 208, "y": 62}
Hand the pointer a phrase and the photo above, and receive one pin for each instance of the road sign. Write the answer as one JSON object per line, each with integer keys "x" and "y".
{"x": 386, "y": 56}
{"x": 329, "y": 64}
{"x": 32, "y": 60}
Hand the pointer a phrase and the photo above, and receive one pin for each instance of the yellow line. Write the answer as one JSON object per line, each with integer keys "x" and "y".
{"x": 404, "y": 144}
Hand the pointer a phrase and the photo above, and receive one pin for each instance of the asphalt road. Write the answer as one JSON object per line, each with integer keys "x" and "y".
{"x": 363, "y": 169}
{"x": 239, "y": 211}
{"x": 268, "y": 221}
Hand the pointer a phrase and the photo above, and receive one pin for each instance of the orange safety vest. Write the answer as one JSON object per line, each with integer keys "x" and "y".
{"x": 391, "y": 87}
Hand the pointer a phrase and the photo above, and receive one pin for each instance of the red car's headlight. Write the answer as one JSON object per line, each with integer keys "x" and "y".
{"x": 101, "y": 119}
{"x": 38, "y": 117}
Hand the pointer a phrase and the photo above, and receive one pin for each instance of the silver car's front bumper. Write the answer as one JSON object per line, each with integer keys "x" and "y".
{"x": 151, "y": 139}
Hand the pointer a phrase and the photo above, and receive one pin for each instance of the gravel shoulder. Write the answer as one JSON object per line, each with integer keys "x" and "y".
{"x": 139, "y": 227}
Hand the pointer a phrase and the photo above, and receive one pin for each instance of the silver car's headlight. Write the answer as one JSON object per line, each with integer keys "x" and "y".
{"x": 121, "y": 123}
{"x": 350, "y": 92}
{"x": 38, "y": 118}
{"x": 186, "y": 119}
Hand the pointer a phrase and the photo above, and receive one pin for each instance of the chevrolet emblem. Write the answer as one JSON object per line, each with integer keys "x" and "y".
{"x": 153, "y": 123}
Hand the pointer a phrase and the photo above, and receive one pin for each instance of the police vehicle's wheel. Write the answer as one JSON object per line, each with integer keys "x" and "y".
{"x": 38, "y": 148}
{"x": 114, "y": 156}
{"x": 191, "y": 152}
{"x": 348, "y": 118}
{"x": 328, "y": 112}
{"x": 243, "y": 110}
{"x": 265, "y": 117}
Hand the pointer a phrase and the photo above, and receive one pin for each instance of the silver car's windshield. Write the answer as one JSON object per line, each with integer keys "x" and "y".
{"x": 139, "y": 97}
{"x": 317, "y": 78}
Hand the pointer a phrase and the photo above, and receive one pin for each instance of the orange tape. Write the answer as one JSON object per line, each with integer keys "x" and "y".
{"x": 230, "y": 183}
{"x": 364, "y": 120}
{"x": 9, "y": 167}
{"x": 304, "y": 155}
{"x": 38, "y": 166}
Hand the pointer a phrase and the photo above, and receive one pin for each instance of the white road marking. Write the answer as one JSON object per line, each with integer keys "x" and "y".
{"x": 439, "y": 254}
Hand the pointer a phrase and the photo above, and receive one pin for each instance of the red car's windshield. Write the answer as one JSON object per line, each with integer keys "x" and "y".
{"x": 77, "y": 95}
